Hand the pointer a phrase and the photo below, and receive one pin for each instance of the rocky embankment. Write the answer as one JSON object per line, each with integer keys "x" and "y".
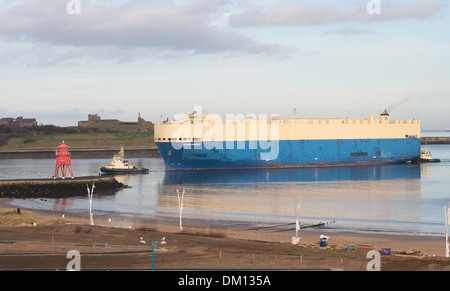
{"x": 435, "y": 140}
{"x": 58, "y": 188}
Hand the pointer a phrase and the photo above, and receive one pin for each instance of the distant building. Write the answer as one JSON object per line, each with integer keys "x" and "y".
{"x": 94, "y": 118}
{"x": 19, "y": 121}
{"x": 6, "y": 121}
{"x": 141, "y": 125}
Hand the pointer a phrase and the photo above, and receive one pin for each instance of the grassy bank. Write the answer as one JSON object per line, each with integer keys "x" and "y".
{"x": 82, "y": 140}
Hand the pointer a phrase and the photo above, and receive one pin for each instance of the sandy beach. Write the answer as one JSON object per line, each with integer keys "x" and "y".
{"x": 115, "y": 242}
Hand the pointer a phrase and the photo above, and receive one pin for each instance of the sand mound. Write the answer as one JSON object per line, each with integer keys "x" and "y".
{"x": 13, "y": 217}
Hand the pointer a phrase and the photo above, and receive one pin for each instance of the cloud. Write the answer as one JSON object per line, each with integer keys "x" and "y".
{"x": 135, "y": 28}
{"x": 287, "y": 14}
{"x": 348, "y": 31}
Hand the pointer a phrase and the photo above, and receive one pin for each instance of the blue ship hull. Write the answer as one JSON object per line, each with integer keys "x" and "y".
{"x": 288, "y": 153}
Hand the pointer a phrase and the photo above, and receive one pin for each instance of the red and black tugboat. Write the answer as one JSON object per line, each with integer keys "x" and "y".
{"x": 119, "y": 166}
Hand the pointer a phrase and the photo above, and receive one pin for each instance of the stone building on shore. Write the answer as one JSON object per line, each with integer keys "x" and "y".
{"x": 141, "y": 124}
{"x": 19, "y": 121}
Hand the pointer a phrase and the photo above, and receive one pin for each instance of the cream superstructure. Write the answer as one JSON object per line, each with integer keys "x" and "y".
{"x": 213, "y": 128}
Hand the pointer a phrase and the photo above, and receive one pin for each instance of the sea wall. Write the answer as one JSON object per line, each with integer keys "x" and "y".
{"x": 435, "y": 140}
{"x": 77, "y": 153}
{"x": 58, "y": 188}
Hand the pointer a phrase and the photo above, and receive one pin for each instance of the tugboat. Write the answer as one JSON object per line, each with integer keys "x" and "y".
{"x": 426, "y": 157}
{"x": 119, "y": 166}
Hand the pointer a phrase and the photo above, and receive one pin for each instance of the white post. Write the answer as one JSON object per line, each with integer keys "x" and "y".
{"x": 297, "y": 221}
{"x": 90, "y": 194}
{"x": 296, "y": 239}
{"x": 446, "y": 213}
{"x": 180, "y": 207}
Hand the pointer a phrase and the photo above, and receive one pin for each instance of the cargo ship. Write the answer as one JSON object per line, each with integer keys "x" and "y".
{"x": 205, "y": 142}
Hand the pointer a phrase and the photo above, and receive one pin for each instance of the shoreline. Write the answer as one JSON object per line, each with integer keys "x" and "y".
{"x": 201, "y": 246}
{"x": 435, "y": 140}
{"x": 77, "y": 153}
{"x": 429, "y": 246}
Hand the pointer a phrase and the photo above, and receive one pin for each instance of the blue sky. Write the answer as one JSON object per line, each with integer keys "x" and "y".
{"x": 163, "y": 57}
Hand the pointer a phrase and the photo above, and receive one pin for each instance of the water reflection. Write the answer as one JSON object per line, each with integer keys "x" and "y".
{"x": 379, "y": 172}
{"x": 123, "y": 178}
{"x": 63, "y": 204}
{"x": 370, "y": 193}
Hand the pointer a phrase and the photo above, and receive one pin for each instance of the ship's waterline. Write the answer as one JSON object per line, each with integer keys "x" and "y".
{"x": 292, "y": 154}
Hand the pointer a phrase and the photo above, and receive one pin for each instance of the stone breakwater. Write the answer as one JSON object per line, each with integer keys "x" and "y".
{"x": 58, "y": 188}
{"x": 435, "y": 140}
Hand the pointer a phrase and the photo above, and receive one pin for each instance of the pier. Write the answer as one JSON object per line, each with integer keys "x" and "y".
{"x": 435, "y": 140}
{"x": 58, "y": 188}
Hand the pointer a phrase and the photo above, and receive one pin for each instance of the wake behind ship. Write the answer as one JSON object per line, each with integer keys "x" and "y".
{"x": 202, "y": 142}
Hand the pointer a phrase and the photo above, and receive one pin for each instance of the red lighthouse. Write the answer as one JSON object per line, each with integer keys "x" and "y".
{"x": 63, "y": 161}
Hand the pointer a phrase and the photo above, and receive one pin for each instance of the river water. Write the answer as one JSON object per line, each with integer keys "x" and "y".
{"x": 403, "y": 198}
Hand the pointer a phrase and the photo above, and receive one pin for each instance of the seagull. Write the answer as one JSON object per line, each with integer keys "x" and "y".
{"x": 163, "y": 241}
{"x": 142, "y": 241}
